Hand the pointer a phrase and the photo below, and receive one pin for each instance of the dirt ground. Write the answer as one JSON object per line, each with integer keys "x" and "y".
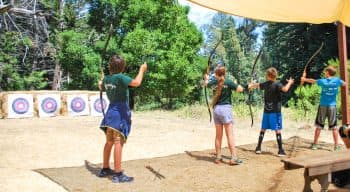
{"x": 64, "y": 154}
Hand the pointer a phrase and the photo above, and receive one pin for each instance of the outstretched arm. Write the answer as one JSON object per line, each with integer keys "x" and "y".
{"x": 253, "y": 86}
{"x": 138, "y": 79}
{"x": 288, "y": 85}
{"x": 308, "y": 80}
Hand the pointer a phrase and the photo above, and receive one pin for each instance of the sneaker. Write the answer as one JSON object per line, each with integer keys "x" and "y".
{"x": 104, "y": 172}
{"x": 337, "y": 148}
{"x": 217, "y": 160}
{"x": 258, "y": 150}
{"x": 121, "y": 178}
{"x": 281, "y": 153}
{"x": 235, "y": 161}
{"x": 314, "y": 146}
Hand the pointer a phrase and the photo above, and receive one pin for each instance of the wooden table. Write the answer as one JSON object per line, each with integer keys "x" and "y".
{"x": 319, "y": 166}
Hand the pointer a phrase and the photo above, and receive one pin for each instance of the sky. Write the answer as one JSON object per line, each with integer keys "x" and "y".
{"x": 201, "y": 15}
{"x": 198, "y": 15}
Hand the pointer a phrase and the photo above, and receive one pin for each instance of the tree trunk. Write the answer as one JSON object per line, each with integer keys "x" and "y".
{"x": 57, "y": 78}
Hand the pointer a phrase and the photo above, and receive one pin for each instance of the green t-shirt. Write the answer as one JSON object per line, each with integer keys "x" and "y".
{"x": 225, "y": 97}
{"x": 116, "y": 87}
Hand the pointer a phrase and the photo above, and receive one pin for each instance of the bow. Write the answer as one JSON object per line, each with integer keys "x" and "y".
{"x": 254, "y": 77}
{"x": 304, "y": 74}
{"x": 103, "y": 55}
{"x": 207, "y": 71}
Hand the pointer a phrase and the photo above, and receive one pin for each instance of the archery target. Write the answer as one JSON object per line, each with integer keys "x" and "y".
{"x": 20, "y": 105}
{"x": 78, "y": 105}
{"x": 49, "y": 105}
{"x": 95, "y": 105}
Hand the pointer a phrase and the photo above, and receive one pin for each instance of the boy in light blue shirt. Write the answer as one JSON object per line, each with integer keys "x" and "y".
{"x": 327, "y": 108}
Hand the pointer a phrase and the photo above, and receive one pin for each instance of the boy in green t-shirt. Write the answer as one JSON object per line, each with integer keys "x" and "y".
{"x": 117, "y": 121}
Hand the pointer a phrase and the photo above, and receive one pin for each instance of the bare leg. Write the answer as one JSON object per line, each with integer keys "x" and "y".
{"x": 317, "y": 135}
{"x": 218, "y": 139}
{"x": 230, "y": 138}
{"x": 118, "y": 149}
{"x": 335, "y": 136}
{"x": 107, "y": 153}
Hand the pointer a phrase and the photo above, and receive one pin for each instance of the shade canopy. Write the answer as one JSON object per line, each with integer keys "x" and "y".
{"x": 289, "y": 11}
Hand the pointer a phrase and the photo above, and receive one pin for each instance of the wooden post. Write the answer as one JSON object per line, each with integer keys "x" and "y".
{"x": 343, "y": 59}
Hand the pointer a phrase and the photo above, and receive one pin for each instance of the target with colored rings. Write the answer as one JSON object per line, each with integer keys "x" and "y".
{"x": 49, "y": 105}
{"x": 77, "y": 104}
{"x": 20, "y": 105}
{"x": 98, "y": 106}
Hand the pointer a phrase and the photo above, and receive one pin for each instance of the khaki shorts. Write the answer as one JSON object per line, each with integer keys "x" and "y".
{"x": 114, "y": 135}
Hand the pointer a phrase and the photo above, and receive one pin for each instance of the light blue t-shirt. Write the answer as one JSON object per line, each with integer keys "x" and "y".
{"x": 329, "y": 90}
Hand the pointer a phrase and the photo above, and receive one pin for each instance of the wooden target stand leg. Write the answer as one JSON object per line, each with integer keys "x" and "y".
{"x": 323, "y": 180}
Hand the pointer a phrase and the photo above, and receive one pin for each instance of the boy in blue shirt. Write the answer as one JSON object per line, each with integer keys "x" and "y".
{"x": 327, "y": 107}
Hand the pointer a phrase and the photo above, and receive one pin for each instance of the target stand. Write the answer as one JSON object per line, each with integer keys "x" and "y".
{"x": 20, "y": 105}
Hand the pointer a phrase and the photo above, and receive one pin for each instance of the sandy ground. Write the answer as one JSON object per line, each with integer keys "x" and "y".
{"x": 39, "y": 143}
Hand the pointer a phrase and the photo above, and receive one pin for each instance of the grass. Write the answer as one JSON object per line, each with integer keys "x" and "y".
{"x": 200, "y": 111}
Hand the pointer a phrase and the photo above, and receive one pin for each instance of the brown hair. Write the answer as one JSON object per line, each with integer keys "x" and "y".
{"x": 272, "y": 73}
{"x": 331, "y": 70}
{"x": 116, "y": 64}
{"x": 219, "y": 72}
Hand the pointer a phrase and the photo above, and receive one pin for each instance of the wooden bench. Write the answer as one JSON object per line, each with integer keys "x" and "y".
{"x": 319, "y": 166}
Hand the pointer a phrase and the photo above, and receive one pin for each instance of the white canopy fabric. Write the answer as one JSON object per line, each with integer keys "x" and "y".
{"x": 289, "y": 11}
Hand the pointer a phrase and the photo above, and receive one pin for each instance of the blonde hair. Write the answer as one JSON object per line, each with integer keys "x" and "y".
{"x": 219, "y": 72}
{"x": 272, "y": 73}
{"x": 331, "y": 70}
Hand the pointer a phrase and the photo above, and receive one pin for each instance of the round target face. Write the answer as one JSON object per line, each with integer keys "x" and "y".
{"x": 20, "y": 105}
{"x": 98, "y": 106}
{"x": 77, "y": 104}
{"x": 49, "y": 105}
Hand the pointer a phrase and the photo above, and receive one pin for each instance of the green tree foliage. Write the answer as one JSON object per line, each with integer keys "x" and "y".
{"x": 159, "y": 33}
{"x": 239, "y": 46}
{"x": 15, "y": 74}
{"x": 237, "y": 51}
{"x": 288, "y": 47}
{"x": 79, "y": 59}
{"x": 291, "y": 45}
{"x": 307, "y": 97}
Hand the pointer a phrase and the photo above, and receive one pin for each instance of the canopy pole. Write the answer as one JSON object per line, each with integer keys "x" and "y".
{"x": 343, "y": 59}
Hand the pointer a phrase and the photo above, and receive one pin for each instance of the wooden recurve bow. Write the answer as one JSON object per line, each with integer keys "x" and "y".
{"x": 103, "y": 55}
{"x": 304, "y": 75}
{"x": 253, "y": 78}
{"x": 207, "y": 71}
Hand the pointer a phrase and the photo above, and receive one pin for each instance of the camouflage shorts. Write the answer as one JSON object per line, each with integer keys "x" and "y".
{"x": 114, "y": 135}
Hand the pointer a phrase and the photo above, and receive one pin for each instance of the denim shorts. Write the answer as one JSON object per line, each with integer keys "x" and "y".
{"x": 223, "y": 114}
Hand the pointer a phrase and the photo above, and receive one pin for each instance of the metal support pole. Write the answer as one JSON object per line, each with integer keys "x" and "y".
{"x": 343, "y": 59}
